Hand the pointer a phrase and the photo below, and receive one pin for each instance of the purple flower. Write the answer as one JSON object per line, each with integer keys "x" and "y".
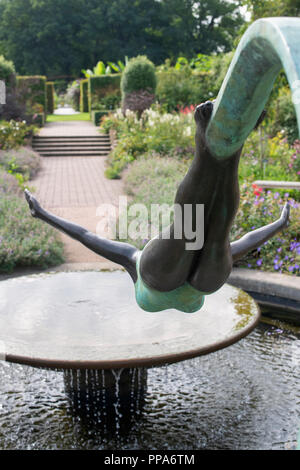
{"x": 259, "y": 262}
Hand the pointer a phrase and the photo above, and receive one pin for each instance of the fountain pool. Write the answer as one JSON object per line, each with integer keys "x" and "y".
{"x": 103, "y": 391}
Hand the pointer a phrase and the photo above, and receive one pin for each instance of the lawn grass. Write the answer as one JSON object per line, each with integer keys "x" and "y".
{"x": 68, "y": 117}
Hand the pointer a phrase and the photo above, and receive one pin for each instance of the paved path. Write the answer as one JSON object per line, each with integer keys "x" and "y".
{"x": 74, "y": 187}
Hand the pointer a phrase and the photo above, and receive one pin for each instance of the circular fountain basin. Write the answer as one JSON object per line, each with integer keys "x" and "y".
{"x": 90, "y": 320}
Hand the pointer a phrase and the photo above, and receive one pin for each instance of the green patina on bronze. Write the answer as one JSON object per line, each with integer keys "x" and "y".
{"x": 185, "y": 298}
{"x": 267, "y": 46}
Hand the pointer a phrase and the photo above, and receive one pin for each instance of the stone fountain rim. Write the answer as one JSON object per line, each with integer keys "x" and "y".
{"x": 146, "y": 362}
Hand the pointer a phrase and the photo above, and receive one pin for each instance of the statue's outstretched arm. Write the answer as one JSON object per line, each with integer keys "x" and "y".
{"x": 254, "y": 239}
{"x": 118, "y": 252}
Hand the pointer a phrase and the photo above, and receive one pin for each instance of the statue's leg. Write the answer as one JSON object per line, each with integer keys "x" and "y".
{"x": 257, "y": 237}
{"x": 118, "y": 252}
{"x": 214, "y": 262}
{"x": 166, "y": 263}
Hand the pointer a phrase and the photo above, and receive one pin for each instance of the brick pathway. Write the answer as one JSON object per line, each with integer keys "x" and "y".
{"x": 74, "y": 187}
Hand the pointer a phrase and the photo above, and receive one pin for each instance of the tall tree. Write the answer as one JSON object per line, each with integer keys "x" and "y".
{"x": 60, "y": 37}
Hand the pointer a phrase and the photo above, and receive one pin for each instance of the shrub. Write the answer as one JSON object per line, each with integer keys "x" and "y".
{"x": 97, "y": 115}
{"x": 8, "y": 184}
{"x": 164, "y": 134}
{"x": 153, "y": 180}
{"x": 138, "y": 84}
{"x": 283, "y": 115}
{"x": 139, "y": 74}
{"x": 7, "y": 71}
{"x": 12, "y": 109}
{"x": 25, "y": 241}
{"x": 50, "y": 97}
{"x": 32, "y": 93}
{"x": 14, "y": 134}
{"x": 22, "y": 160}
{"x": 282, "y": 252}
{"x": 181, "y": 88}
{"x": 270, "y": 158}
{"x": 101, "y": 87}
{"x": 84, "y": 96}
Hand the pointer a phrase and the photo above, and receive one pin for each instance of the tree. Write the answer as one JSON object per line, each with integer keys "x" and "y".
{"x": 262, "y": 9}
{"x": 62, "y": 37}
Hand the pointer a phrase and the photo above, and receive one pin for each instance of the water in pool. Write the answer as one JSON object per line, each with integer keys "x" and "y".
{"x": 244, "y": 397}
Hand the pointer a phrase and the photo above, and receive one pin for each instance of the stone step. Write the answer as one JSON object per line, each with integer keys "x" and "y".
{"x": 74, "y": 154}
{"x": 72, "y": 137}
{"x": 58, "y": 145}
{"x": 73, "y": 150}
{"x": 72, "y": 146}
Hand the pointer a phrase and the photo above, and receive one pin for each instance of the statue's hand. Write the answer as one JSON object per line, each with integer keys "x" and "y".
{"x": 34, "y": 206}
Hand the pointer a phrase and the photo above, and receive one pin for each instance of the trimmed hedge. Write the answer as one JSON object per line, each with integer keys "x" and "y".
{"x": 50, "y": 97}
{"x": 84, "y": 96}
{"x": 32, "y": 91}
{"x": 97, "y": 115}
{"x": 101, "y": 86}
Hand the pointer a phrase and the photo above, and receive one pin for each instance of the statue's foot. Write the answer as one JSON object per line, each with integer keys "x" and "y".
{"x": 33, "y": 204}
{"x": 285, "y": 215}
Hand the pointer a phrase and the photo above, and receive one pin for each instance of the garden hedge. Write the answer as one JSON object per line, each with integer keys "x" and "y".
{"x": 84, "y": 96}
{"x": 32, "y": 90}
{"x": 50, "y": 97}
{"x": 100, "y": 87}
{"x": 97, "y": 115}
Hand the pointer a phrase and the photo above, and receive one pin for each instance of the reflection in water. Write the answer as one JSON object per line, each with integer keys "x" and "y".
{"x": 243, "y": 307}
{"x": 243, "y": 397}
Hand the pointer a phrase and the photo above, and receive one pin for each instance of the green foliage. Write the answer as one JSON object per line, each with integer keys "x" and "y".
{"x": 261, "y": 8}
{"x": 163, "y": 134}
{"x": 84, "y": 96}
{"x": 282, "y": 115}
{"x": 180, "y": 88}
{"x": 139, "y": 74}
{"x": 281, "y": 253}
{"x": 8, "y": 184}
{"x": 25, "y": 241}
{"x": 22, "y": 160}
{"x": 101, "y": 88}
{"x": 7, "y": 71}
{"x": 151, "y": 180}
{"x": 97, "y": 115}
{"x": 101, "y": 69}
{"x": 73, "y": 95}
{"x": 191, "y": 82}
{"x": 270, "y": 158}
{"x": 14, "y": 134}
{"x": 61, "y": 37}
{"x": 50, "y": 97}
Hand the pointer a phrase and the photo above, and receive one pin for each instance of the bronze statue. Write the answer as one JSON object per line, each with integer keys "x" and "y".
{"x": 165, "y": 273}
